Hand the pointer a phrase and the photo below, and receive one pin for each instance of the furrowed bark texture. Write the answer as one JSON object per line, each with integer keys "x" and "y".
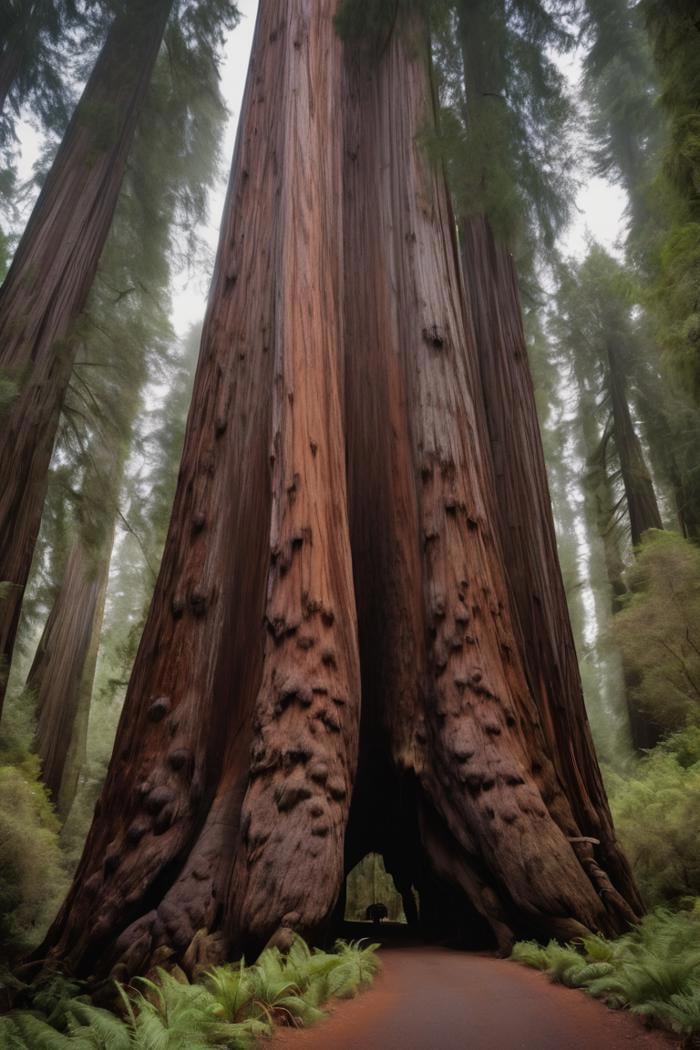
{"x": 439, "y": 651}
{"x": 528, "y": 543}
{"x": 49, "y": 280}
{"x": 223, "y": 813}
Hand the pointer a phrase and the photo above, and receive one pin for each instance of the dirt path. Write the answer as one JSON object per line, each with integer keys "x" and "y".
{"x": 436, "y": 999}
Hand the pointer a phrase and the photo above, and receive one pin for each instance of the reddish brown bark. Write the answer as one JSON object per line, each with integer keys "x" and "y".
{"x": 528, "y": 539}
{"x": 226, "y": 800}
{"x": 223, "y": 816}
{"x": 439, "y": 650}
{"x": 49, "y": 280}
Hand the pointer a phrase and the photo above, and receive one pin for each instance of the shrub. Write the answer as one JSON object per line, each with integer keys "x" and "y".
{"x": 33, "y": 880}
{"x": 656, "y": 808}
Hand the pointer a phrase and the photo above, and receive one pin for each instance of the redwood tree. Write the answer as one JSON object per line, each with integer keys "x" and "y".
{"x": 49, "y": 280}
{"x": 500, "y": 191}
{"x": 335, "y": 327}
{"x": 235, "y": 754}
{"x": 179, "y": 128}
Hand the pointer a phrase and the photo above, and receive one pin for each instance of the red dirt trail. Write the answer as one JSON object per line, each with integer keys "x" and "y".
{"x": 437, "y": 999}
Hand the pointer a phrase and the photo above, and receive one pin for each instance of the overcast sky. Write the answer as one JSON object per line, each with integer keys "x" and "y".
{"x": 600, "y": 206}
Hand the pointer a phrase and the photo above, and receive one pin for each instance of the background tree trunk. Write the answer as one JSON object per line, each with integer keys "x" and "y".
{"x": 225, "y": 804}
{"x": 63, "y": 671}
{"x": 643, "y": 511}
{"x": 49, "y": 280}
{"x": 62, "y": 674}
{"x": 642, "y": 507}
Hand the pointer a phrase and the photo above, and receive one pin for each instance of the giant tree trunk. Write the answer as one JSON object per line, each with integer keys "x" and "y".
{"x": 443, "y": 681}
{"x": 227, "y": 796}
{"x": 528, "y": 540}
{"x": 224, "y": 812}
{"x": 49, "y": 280}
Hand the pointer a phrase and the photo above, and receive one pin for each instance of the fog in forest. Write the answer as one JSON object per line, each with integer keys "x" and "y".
{"x": 349, "y": 499}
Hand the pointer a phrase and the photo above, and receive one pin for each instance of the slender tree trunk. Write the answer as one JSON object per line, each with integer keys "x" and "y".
{"x": 642, "y": 507}
{"x": 9, "y": 69}
{"x": 224, "y": 809}
{"x": 599, "y": 491}
{"x": 442, "y": 673}
{"x": 49, "y": 280}
{"x": 63, "y": 671}
{"x": 600, "y": 494}
{"x": 528, "y": 541}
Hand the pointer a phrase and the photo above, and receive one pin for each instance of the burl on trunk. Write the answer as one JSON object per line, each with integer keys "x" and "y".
{"x": 336, "y": 330}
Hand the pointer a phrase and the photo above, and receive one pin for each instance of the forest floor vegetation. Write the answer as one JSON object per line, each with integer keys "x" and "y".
{"x": 652, "y": 971}
{"x": 229, "y": 1006}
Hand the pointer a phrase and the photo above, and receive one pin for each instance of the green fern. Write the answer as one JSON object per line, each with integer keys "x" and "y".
{"x": 233, "y": 1006}
{"x": 592, "y": 971}
{"x": 654, "y": 970}
{"x": 23, "y": 1030}
{"x": 531, "y": 954}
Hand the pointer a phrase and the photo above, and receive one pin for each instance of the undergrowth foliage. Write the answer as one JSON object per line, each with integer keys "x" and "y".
{"x": 654, "y": 970}
{"x": 33, "y": 878}
{"x": 656, "y": 808}
{"x": 230, "y": 1006}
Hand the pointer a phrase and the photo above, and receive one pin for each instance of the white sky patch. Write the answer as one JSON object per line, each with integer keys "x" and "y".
{"x": 600, "y": 209}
